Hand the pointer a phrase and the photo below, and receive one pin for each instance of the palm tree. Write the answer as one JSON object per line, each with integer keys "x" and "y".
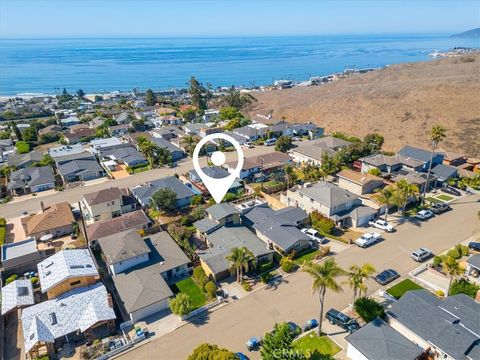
{"x": 452, "y": 267}
{"x": 189, "y": 142}
{"x": 240, "y": 259}
{"x": 356, "y": 277}
{"x": 324, "y": 276}
{"x": 404, "y": 191}
{"x": 385, "y": 196}
{"x": 149, "y": 149}
{"x": 437, "y": 134}
{"x": 290, "y": 174}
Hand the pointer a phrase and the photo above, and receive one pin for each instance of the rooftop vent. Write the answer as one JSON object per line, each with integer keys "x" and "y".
{"x": 53, "y": 318}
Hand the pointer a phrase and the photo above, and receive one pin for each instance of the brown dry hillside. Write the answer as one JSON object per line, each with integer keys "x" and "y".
{"x": 401, "y": 102}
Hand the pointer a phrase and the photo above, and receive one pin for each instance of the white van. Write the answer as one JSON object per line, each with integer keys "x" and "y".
{"x": 270, "y": 142}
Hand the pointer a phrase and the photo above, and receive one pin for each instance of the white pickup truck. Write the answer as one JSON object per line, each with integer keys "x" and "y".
{"x": 381, "y": 224}
{"x": 368, "y": 239}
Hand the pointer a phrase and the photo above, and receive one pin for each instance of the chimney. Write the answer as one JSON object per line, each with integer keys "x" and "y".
{"x": 42, "y": 206}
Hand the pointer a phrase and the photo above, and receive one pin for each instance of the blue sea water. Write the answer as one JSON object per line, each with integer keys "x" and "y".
{"x": 95, "y": 64}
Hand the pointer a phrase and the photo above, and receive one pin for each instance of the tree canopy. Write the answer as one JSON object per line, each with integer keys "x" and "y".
{"x": 150, "y": 98}
{"x": 283, "y": 144}
{"x": 199, "y": 94}
{"x": 211, "y": 352}
{"x": 164, "y": 200}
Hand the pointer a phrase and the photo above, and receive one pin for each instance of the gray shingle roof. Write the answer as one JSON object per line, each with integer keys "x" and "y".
{"x": 416, "y": 153}
{"x": 474, "y": 260}
{"x": 222, "y": 210}
{"x": 17, "y": 293}
{"x": 123, "y": 246}
{"x": 280, "y": 231}
{"x": 227, "y": 238}
{"x": 20, "y": 160}
{"x": 127, "y": 154}
{"x": 144, "y": 285}
{"x": 379, "y": 341}
{"x": 144, "y": 192}
{"x": 31, "y": 177}
{"x": 165, "y": 144}
{"x": 328, "y": 194}
{"x": 78, "y": 167}
{"x": 444, "y": 171}
{"x": 206, "y": 225}
{"x": 103, "y": 196}
{"x": 452, "y": 325}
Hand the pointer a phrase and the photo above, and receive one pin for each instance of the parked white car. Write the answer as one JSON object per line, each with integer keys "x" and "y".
{"x": 421, "y": 254}
{"x": 381, "y": 224}
{"x": 248, "y": 145}
{"x": 314, "y": 235}
{"x": 368, "y": 239}
{"x": 424, "y": 215}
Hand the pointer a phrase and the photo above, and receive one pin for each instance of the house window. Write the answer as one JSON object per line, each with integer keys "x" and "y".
{"x": 75, "y": 283}
{"x": 113, "y": 202}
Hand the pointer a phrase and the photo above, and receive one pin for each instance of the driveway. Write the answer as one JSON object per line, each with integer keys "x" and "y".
{"x": 292, "y": 300}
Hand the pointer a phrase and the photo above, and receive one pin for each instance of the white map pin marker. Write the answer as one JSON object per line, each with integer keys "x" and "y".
{"x": 218, "y": 187}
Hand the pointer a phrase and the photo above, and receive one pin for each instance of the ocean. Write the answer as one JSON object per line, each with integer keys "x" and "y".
{"x": 108, "y": 64}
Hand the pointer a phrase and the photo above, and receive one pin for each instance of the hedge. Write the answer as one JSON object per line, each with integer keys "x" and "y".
{"x": 368, "y": 309}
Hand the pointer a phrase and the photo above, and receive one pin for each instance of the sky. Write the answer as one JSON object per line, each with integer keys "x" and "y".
{"x": 113, "y": 18}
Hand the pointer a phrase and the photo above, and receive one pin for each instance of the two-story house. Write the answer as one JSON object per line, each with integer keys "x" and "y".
{"x": 340, "y": 205}
{"x": 67, "y": 270}
{"x": 107, "y": 204}
{"x": 218, "y": 215}
{"x": 142, "y": 270}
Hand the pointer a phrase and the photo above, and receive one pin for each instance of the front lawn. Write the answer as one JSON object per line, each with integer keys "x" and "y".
{"x": 444, "y": 197}
{"x": 310, "y": 255}
{"x": 402, "y": 287}
{"x": 188, "y": 286}
{"x": 311, "y": 342}
{"x": 432, "y": 200}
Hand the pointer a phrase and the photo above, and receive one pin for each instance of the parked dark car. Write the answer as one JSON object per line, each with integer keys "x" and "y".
{"x": 241, "y": 356}
{"x": 474, "y": 245}
{"x": 451, "y": 191}
{"x": 253, "y": 343}
{"x": 294, "y": 328}
{"x": 386, "y": 276}
{"x": 336, "y": 317}
{"x": 439, "y": 208}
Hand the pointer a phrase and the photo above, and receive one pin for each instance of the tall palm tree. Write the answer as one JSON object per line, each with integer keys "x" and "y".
{"x": 357, "y": 276}
{"x": 324, "y": 276}
{"x": 240, "y": 259}
{"x": 150, "y": 150}
{"x": 404, "y": 191}
{"x": 189, "y": 142}
{"x": 290, "y": 175}
{"x": 452, "y": 267}
{"x": 437, "y": 134}
{"x": 385, "y": 196}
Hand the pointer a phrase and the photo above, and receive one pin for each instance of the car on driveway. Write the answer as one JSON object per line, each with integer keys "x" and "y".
{"x": 424, "y": 215}
{"x": 421, "y": 254}
{"x": 451, "y": 191}
{"x": 336, "y": 317}
{"x": 381, "y": 224}
{"x": 368, "y": 239}
{"x": 314, "y": 235}
{"x": 386, "y": 276}
{"x": 439, "y": 208}
{"x": 474, "y": 245}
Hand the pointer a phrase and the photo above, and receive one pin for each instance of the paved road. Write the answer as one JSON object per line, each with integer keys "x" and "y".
{"x": 293, "y": 300}
{"x": 30, "y": 205}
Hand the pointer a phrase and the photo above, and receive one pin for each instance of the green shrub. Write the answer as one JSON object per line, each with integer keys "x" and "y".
{"x": 34, "y": 280}
{"x": 462, "y": 249}
{"x": 196, "y": 200}
{"x": 22, "y": 147}
{"x": 368, "y": 309}
{"x": 287, "y": 264}
{"x": 453, "y": 253}
{"x": 12, "y": 277}
{"x": 2, "y": 235}
{"x": 437, "y": 261}
{"x": 3, "y": 222}
{"x": 200, "y": 277}
{"x": 181, "y": 304}
{"x": 264, "y": 267}
{"x": 246, "y": 286}
{"x": 322, "y": 223}
{"x": 463, "y": 286}
{"x": 266, "y": 277}
{"x": 210, "y": 289}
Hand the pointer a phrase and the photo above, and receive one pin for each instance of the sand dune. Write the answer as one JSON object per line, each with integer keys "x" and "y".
{"x": 402, "y": 102}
